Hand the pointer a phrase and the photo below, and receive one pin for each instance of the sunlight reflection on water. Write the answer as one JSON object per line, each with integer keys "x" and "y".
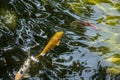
{"x": 83, "y": 50}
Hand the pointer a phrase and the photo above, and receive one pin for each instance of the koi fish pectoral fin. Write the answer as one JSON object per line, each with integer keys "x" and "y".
{"x": 26, "y": 75}
{"x": 58, "y": 43}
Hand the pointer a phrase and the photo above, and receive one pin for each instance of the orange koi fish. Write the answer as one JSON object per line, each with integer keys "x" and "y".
{"x": 54, "y": 41}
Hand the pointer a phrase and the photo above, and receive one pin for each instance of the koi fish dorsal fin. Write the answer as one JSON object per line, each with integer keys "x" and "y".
{"x": 58, "y": 43}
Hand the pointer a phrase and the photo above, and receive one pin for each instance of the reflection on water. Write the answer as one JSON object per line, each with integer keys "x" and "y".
{"x": 84, "y": 53}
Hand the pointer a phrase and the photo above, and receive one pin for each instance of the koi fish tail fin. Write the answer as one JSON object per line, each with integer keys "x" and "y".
{"x": 40, "y": 55}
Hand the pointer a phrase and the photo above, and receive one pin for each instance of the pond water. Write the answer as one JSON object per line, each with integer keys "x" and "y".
{"x": 84, "y": 53}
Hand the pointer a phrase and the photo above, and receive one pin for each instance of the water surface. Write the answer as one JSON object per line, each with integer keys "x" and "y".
{"x": 83, "y": 52}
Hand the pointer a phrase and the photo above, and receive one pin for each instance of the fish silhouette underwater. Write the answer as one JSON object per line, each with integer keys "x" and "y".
{"x": 79, "y": 22}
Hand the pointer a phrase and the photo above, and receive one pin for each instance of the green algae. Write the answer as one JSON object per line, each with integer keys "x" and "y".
{"x": 9, "y": 18}
{"x": 113, "y": 70}
{"x": 115, "y": 59}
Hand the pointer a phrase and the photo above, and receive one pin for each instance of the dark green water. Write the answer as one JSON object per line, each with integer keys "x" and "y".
{"x": 83, "y": 52}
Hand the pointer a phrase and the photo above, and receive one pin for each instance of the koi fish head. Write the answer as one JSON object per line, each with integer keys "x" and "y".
{"x": 56, "y": 39}
{"x": 18, "y": 76}
{"x": 58, "y": 34}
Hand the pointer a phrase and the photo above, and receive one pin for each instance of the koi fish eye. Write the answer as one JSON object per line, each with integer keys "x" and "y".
{"x": 21, "y": 72}
{"x": 25, "y": 66}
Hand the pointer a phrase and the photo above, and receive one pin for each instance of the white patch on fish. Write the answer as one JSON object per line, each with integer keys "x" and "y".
{"x": 23, "y": 70}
